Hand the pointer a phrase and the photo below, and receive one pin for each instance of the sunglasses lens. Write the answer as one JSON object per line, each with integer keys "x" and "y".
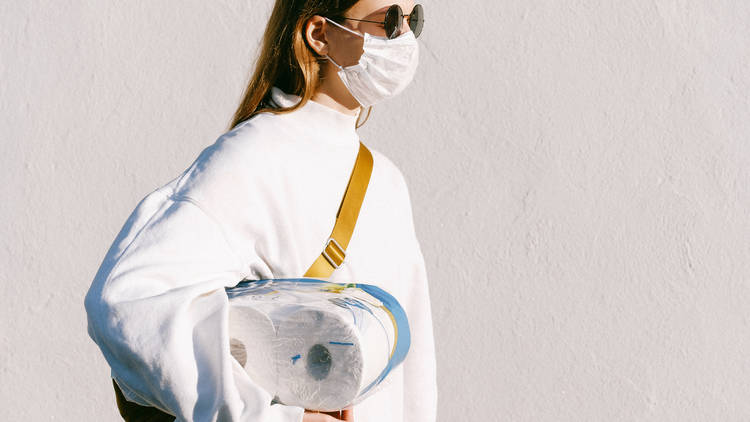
{"x": 393, "y": 18}
{"x": 416, "y": 20}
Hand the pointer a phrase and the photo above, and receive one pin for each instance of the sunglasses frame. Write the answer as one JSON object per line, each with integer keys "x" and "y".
{"x": 396, "y": 31}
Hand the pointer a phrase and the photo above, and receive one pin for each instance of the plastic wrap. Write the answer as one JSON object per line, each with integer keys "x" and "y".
{"x": 314, "y": 343}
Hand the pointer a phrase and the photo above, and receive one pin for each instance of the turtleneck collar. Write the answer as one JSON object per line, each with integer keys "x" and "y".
{"x": 338, "y": 128}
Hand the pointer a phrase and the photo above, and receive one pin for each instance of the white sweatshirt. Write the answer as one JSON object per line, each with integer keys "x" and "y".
{"x": 259, "y": 203}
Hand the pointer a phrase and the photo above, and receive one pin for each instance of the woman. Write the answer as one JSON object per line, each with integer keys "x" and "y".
{"x": 259, "y": 203}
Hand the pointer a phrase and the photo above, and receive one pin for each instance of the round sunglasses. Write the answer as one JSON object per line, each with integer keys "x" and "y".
{"x": 393, "y": 18}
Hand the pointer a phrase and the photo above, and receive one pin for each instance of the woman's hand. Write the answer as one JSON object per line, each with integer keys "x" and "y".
{"x": 316, "y": 416}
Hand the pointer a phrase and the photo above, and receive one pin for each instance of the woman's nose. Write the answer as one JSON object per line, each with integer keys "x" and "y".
{"x": 405, "y": 25}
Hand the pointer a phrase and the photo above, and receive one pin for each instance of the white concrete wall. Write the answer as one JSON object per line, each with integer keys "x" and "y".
{"x": 579, "y": 172}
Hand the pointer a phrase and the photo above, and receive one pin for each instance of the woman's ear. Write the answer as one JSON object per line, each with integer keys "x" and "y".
{"x": 315, "y": 33}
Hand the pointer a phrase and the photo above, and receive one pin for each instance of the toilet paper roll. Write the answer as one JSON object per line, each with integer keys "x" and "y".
{"x": 325, "y": 356}
{"x": 332, "y": 346}
{"x": 252, "y": 337}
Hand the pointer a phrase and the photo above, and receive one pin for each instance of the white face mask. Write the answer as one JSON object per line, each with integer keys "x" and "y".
{"x": 385, "y": 68}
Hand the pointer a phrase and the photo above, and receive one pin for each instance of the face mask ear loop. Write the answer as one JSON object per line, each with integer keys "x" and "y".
{"x": 342, "y": 27}
{"x": 345, "y": 28}
{"x": 331, "y": 60}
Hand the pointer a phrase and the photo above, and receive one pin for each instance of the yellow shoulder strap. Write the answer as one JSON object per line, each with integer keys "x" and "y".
{"x": 346, "y": 217}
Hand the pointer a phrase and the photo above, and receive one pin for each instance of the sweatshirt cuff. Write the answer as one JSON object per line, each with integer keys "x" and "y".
{"x": 285, "y": 413}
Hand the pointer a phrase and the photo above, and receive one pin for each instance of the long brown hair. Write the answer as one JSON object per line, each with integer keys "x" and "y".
{"x": 286, "y": 60}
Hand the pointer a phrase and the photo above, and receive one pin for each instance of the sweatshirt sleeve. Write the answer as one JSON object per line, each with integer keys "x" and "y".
{"x": 158, "y": 311}
{"x": 420, "y": 372}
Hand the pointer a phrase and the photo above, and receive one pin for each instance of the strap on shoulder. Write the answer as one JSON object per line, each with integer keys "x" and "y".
{"x": 334, "y": 251}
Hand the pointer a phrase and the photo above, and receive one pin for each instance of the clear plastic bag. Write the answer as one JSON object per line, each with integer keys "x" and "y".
{"x": 314, "y": 343}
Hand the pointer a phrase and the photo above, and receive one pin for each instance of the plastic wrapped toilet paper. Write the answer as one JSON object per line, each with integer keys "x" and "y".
{"x": 316, "y": 344}
{"x": 251, "y": 336}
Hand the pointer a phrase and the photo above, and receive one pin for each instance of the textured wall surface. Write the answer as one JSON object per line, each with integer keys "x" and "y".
{"x": 579, "y": 171}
